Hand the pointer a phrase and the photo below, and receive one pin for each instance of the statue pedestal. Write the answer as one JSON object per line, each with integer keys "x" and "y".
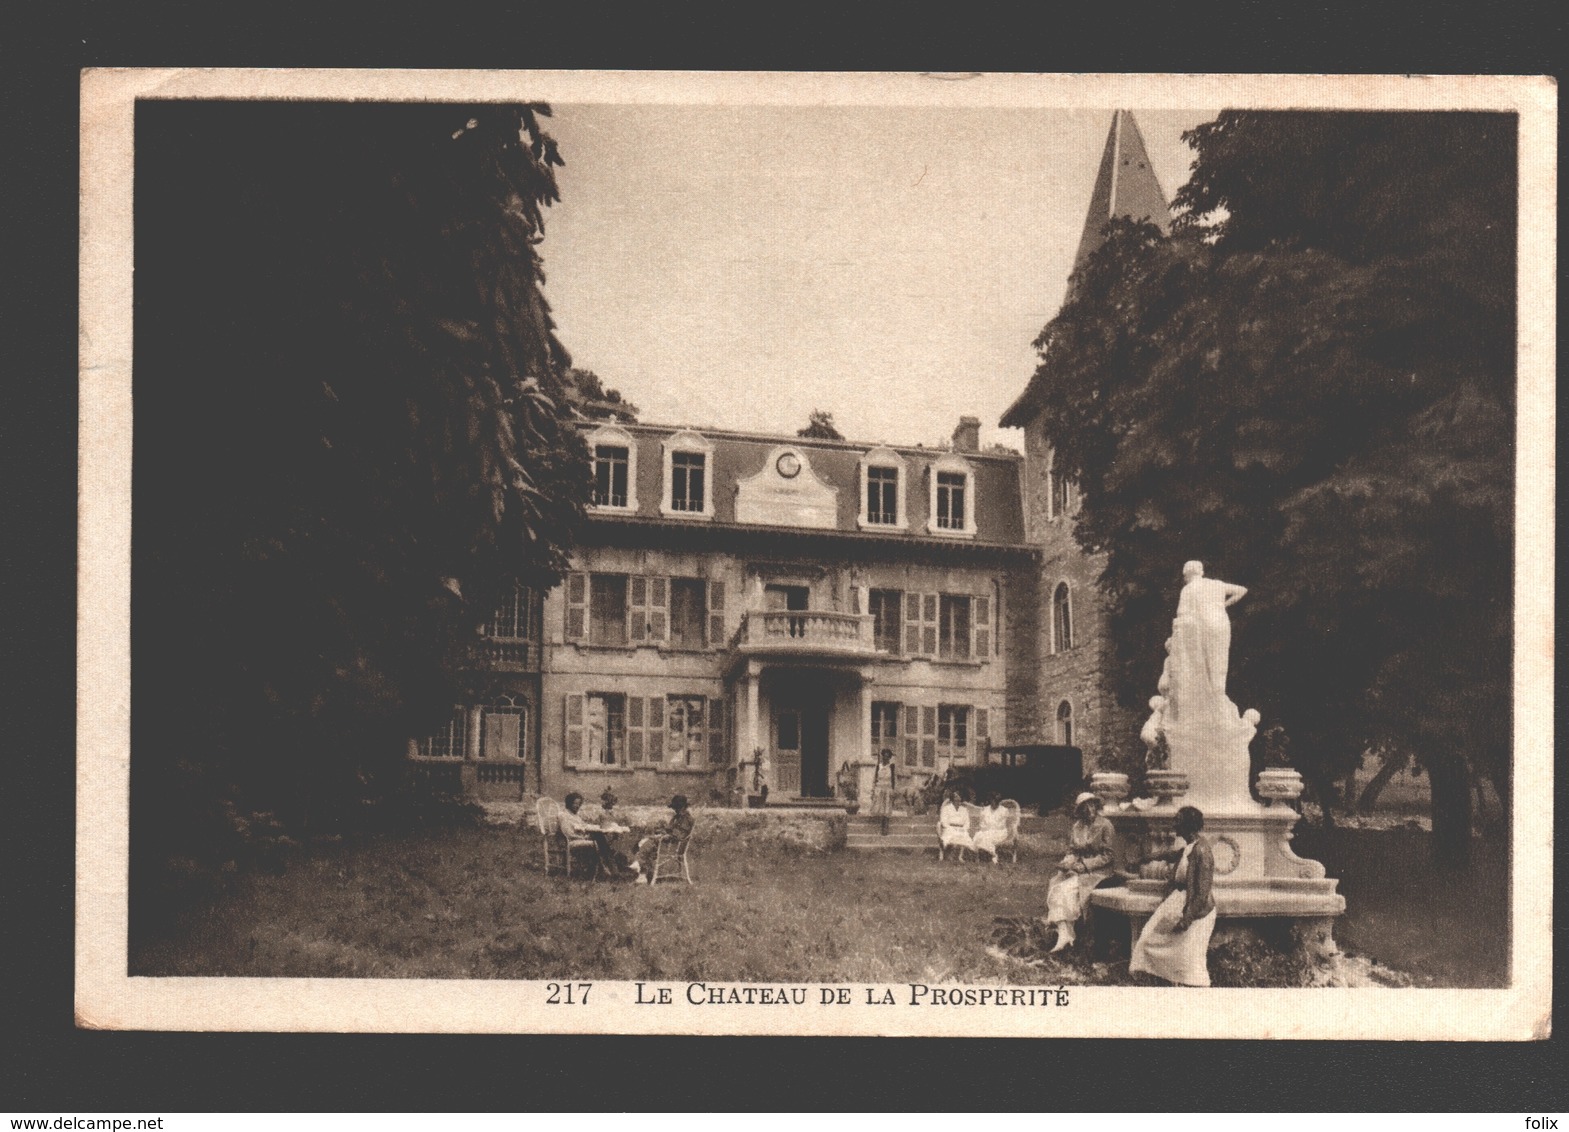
{"x": 1257, "y": 876}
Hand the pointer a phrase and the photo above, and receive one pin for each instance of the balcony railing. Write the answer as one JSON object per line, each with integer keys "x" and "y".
{"x": 803, "y": 631}
{"x": 504, "y": 654}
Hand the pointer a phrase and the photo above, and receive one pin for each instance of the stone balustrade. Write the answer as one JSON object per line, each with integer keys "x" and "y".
{"x": 805, "y": 631}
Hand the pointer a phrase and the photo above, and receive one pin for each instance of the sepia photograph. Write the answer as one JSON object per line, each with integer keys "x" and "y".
{"x": 856, "y": 554}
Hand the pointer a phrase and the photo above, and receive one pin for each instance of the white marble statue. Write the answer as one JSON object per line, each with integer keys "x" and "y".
{"x": 1200, "y": 647}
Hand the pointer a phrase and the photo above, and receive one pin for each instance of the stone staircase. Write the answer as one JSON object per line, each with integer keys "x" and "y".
{"x": 907, "y": 833}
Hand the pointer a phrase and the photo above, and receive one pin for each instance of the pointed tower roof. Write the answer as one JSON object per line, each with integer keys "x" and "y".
{"x": 1125, "y": 186}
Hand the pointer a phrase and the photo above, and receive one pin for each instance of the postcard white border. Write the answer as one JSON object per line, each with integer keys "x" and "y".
{"x": 106, "y": 997}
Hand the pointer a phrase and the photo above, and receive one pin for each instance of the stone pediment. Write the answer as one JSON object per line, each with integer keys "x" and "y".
{"x": 787, "y": 493}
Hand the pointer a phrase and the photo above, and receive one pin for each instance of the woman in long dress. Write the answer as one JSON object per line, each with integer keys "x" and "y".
{"x": 1087, "y": 863}
{"x": 882, "y": 788}
{"x": 1174, "y": 944}
{"x": 992, "y": 829}
{"x": 953, "y": 825}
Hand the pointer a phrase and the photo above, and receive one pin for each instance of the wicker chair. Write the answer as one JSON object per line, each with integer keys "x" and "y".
{"x": 1011, "y": 841}
{"x": 670, "y": 861}
{"x": 558, "y": 850}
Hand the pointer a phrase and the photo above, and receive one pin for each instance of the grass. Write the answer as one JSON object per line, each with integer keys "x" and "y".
{"x": 473, "y": 903}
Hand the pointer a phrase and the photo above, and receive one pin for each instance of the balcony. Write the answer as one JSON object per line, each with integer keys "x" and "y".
{"x": 503, "y": 654}
{"x": 804, "y": 633}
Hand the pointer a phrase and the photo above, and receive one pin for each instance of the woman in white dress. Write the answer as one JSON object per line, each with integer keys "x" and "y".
{"x": 1174, "y": 944}
{"x": 1086, "y": 864}
{"x": 953, "y": 825}
{"x": 992, "y": 829}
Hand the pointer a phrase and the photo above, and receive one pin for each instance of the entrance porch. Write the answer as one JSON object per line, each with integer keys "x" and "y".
{"x": 804, "y": 730}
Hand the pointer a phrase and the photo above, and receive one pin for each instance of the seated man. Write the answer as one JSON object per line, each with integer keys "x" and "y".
{"x": 671, "y": 832}
{"x": 573, "y": 828}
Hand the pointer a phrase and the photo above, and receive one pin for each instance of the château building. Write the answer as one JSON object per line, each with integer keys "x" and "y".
{"x": 747, "y": 610}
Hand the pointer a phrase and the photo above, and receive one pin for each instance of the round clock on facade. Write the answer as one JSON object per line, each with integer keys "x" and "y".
{"x": 789, "y": 465}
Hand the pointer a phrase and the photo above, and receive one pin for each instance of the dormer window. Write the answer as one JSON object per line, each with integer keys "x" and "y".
{"x": 882, "y": 496}
{"x": 689, "y": 479}
{"x": 610, "y": 475}
{"x": 952, "y": 498}
{"x": 883, "y": 490}
{"x": 951, "y": 488}
{"x": 615, "y": 469}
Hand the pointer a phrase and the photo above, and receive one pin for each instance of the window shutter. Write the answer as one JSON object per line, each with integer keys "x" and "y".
{"x": 634, "y": 728}
{"x": 912, "y": 623}
{"x": 929, "y": 607}
{"x": 981, "y": 627}
{"x": 574, "y": 730}
{"x": 983, "y": 737}
{"x": 716, "y": 733}
{"x": 912, "y": 733}
{"x": 637, "y": 609}
{"x": 929, "y": 736}
{"x": 656, "y": 729}
{"x": 716, "y": 615}
{"x": 659, "y": 609}
{"x": 577, "y": 607}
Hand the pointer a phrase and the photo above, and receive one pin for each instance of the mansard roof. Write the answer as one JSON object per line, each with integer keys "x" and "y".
{"x": 738, "y": 456}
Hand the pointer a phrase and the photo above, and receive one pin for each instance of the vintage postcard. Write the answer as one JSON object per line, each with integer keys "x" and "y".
{"x": 853, "y": 554}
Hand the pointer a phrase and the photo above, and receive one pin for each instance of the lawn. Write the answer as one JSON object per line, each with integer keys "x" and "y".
{"x": 474, "y": 903}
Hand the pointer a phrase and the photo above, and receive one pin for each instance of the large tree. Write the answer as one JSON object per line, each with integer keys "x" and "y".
{"x": 1309, "y": 384}
{"x": 352, "y": 428}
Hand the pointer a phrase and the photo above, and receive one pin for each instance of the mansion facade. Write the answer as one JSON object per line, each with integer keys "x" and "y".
{"x": 747, "y": 611}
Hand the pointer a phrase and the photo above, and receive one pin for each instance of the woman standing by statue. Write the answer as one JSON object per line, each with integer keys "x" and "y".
{"x": 1086, "y": 864}
{"x": 1201, "y": 645}
{"x": 1174, "y": 944}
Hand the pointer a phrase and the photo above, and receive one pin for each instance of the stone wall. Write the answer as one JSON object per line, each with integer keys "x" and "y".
{"x": 1079, "y": 673}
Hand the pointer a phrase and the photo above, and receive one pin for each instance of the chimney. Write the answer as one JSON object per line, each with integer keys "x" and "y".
{"x": 967, "y": 437}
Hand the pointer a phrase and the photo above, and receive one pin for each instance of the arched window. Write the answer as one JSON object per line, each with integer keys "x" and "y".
{"x": 951, "y": 497}
{"x": 615, "y": 468}
{"x": 506, "y": 729}
{"x": 1065, "y": 724}
{"x": 1061, "y": 619}
{"x": 689, "y": 478}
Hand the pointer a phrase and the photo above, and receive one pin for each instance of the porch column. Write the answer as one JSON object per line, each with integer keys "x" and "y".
{"x": 413, "y": 748}
{"x": 475, "y": 714}
{"x": 752, "y": 712}
{"x": 868, "y": 755}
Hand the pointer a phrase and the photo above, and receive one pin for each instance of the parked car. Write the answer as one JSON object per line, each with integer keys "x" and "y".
{"x": 1040, "y": 775}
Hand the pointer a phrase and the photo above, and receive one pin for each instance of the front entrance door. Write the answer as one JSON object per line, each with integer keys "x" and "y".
{"x": 814, "y": 751}
{"x": 801, "y": 756}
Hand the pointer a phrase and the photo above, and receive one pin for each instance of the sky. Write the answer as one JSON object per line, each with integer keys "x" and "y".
{"x": 738, "y": 267}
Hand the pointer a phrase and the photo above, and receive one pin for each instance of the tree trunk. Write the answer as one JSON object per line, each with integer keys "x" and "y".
{"x": 1323, "y": 789}
{"x": 1451, "y": 784}
{"x": 1392, "y": 765}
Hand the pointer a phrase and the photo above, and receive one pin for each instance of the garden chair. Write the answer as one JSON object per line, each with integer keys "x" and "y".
{"x": 558, "y": 850}
{"x": 670, "y": 861}
{"x": 1012, "y": 813}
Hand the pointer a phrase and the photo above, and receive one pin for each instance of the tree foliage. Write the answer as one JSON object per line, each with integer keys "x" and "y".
{"x": 593, "y": 401}
{"x": 1309, "y": 385}
{"x": 820, "y": 426}
{"x": 352, "y": 429}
